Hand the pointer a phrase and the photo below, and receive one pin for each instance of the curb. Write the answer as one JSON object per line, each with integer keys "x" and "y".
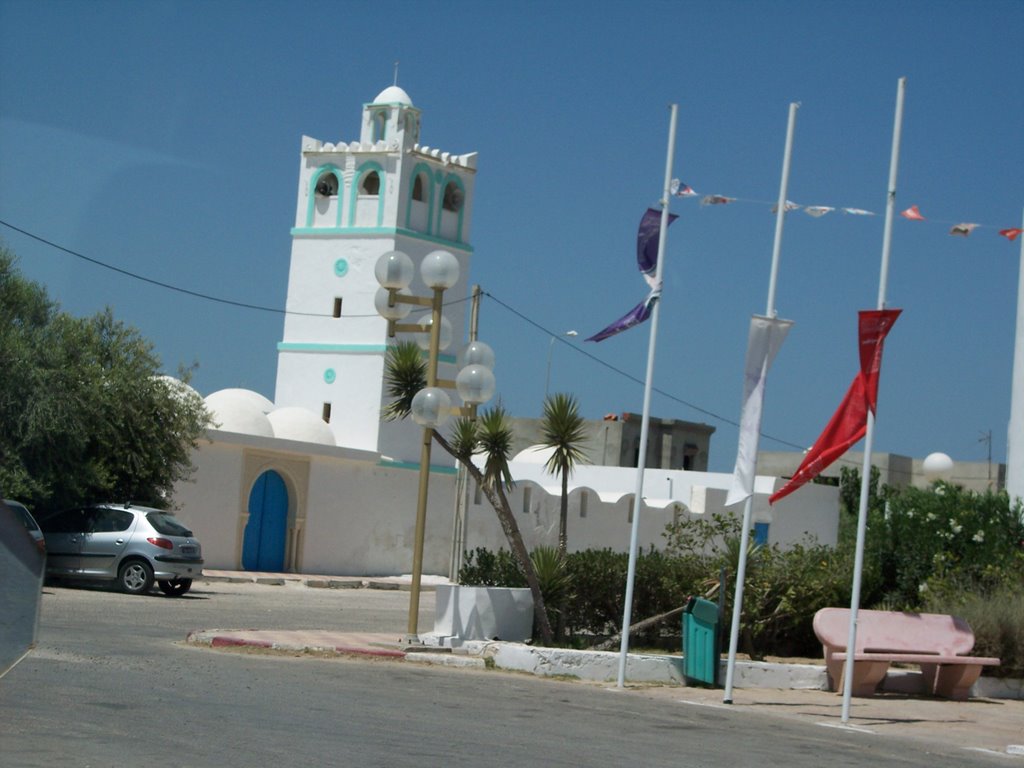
{"x": 384, "y": 583}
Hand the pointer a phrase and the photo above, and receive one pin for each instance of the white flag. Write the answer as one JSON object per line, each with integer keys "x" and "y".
{"x": 765, "y": 339}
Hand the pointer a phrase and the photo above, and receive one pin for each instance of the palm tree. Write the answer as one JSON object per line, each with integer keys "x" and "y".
{"x": 563, "y": 429}
{"x": 491, "y": 434}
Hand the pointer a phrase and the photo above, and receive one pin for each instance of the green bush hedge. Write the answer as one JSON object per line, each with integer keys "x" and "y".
{"x": 943, "y": 550}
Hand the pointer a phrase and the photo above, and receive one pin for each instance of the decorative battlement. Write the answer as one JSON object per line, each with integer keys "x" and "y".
{"x": 311, "y": 146}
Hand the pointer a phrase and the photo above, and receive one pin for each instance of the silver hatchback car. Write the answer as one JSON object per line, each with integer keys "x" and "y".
{"x": 136, "y": 546}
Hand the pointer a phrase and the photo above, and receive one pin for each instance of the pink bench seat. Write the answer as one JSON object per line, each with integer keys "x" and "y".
{"x": 938, "y": 643}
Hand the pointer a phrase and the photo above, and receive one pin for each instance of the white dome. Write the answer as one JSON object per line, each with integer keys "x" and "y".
{"x": 535, "y": 454}
{"x": 178, "y": 387}
{"x": 937, "y": 466}
{"x": 299, "y": 424}
{"x": 240, "y": 410}
{"x": 393, "y": 95}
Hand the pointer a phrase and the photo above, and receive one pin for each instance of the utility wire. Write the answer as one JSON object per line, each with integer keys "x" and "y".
{"x": 279, "y": 311}
{"x": 631, "y": 377}
{"x": 179, "y": 289}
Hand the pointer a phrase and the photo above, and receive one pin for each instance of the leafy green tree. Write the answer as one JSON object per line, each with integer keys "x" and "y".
{"x": 84, "y": 415}
{"x": 491, "y": 434}
{"x": 563, "y": 429}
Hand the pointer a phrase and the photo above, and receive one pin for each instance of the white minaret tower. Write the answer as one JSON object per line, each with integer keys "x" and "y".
{"x": 357, "y": 201}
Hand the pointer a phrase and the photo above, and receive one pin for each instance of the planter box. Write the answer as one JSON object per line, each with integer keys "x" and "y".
{"x": 484, "y": 613}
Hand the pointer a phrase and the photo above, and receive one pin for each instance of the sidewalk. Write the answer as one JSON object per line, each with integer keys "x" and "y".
{"x": 984, "y": 723}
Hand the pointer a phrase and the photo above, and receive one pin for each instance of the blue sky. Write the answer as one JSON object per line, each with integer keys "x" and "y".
{"x": 163, "y": 138}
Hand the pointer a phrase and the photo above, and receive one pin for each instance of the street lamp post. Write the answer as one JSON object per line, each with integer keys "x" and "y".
{"x": 431, "y": 406}
{"x": 551, "y": 347}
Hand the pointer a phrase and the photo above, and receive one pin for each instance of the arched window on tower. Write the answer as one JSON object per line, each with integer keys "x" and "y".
{"x": 324, "y": 204}
{"x": 370, "y": 184}
{"x": 380, "y": 124}
{"x": 418, "y": 188}
{"x": 327, "y": 185}
{"x": 452, "y": 200}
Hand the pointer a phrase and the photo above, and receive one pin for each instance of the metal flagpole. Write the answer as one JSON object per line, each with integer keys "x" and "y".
{"x": 1015, "y": 431}
{"x": 865, "y": 480}
{"x": 641, "y": 459}
{"x": 741, "y": 570}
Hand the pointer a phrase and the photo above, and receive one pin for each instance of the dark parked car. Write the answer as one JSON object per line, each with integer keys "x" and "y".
{"x": 132, "y": 545}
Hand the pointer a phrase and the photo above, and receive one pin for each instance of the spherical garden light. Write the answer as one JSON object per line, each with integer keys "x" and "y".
{"x": 477, "y": 353}
{"x": 444, "y": 340}
{"x": 475, "y": 384}
{"x": 439, "y": 270}
{"x": 383, "y": 302}
{"x": 431, "y": 407}
{"x": 395, "y": 269}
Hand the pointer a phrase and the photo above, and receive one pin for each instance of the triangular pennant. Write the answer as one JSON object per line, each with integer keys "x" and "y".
{"x": 963, "y": 229}
{"x": 912, "y": 213}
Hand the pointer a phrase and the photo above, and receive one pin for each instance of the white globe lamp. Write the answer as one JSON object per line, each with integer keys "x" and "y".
{"x": 397, "y": 312}
{"x": 431, "y": 407}
{"x": 394, "y": 269}
{"x": 439, "y": 270}
{"x": 937, "y": 466}
{"x": 445, "y": 339}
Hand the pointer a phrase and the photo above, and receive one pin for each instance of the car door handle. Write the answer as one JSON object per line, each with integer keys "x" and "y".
{"x": 119, "y": 541}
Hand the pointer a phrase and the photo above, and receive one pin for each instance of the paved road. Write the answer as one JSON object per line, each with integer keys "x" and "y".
{"x": 113, "y": 684}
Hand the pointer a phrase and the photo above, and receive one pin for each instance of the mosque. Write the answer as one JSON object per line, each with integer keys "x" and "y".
{"x": 314, "y": 481}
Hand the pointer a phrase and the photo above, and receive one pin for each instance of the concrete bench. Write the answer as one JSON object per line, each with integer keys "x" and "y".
{"x": 935, "y": 642}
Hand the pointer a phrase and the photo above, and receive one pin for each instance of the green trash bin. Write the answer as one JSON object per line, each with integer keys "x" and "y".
{"x": 701, "y": 652}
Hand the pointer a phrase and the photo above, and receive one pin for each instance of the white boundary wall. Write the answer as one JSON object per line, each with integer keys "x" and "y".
{"x": 349, "y": 515}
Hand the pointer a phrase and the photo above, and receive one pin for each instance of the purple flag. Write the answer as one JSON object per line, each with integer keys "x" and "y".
{"x": 647, "y": 262}
{"x": 647, "y": 240}
{"x": 635, "y": 316}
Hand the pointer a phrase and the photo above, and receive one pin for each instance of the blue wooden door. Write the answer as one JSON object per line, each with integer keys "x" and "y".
{"x": 264, "y": 541}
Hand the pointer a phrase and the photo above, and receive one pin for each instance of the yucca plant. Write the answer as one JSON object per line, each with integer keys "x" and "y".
{"x": 563, "y": 429}
{"x": 491, "y": 433}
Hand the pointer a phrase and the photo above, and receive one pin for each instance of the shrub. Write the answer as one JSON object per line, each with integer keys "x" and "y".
{"x": 997, "y": 620}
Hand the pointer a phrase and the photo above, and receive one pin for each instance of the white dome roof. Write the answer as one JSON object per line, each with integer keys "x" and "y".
{"x": 299, "y": 424}
{"x": 178, "y": 387}
{"x": 393, "y": 95}
{"x": 240, "y": 410}
{"x": 535, "y": 454}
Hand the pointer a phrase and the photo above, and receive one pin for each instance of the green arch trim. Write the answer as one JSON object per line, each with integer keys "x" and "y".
{"x": 311, "y": 191}
{"x": 348, "y": 349}
{"x": 370, "y": 166}
{"x": 416, "y": 466}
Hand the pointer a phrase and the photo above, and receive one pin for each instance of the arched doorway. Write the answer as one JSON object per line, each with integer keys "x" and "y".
{"x": 263, "y": 544}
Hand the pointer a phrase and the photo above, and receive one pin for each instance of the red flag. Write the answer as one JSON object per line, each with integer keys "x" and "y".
{"x": 1011, "y": 234}
{"x": 912, "y": 213}
{"x": 850, "y": 421}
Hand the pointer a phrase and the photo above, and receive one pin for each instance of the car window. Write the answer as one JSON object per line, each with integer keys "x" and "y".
{"x": 107, "y": 520}
{"x": 68, "y": 521}
{"x": 167, "y": 525}
{"x": 22, "y": 511}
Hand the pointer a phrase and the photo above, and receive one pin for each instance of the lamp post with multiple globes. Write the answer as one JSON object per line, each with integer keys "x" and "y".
{"x": 431, "y": 406}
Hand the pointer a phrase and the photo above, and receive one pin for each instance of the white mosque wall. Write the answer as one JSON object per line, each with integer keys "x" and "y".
{"x": 351, "y": 515}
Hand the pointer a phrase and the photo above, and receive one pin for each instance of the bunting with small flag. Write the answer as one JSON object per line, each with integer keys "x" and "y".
{"x": 912, "y": 213}
{"x": 963, "y": 229}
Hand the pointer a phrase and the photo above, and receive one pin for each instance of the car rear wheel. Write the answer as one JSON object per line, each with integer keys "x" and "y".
{"x": 175, "y": 588}
{"x": 135, "y": 577}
